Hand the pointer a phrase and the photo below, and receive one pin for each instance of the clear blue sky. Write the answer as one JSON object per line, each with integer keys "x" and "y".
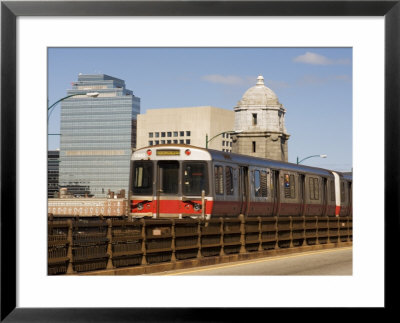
{"x": 313, "y": 84}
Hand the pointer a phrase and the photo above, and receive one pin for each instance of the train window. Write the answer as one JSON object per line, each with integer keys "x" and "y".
{"x": 289, "y": 186}
{"x": 260, "y": 183}
{"x": 194, "y": 178}
{"x": 229, "y": 180}
{"x": 219, "y": 180}
{"x": 142, "y": 178}
{"x": 257, "y": 184}
{"x": 292, "y": 187}
{"x": 311, "y": 190}
{"x": 314, "y": 188}
{"x": 342, "y": 193}
{"x": 264, "y": 183}
{"x": 169, "y": 173}
{"x": 332, "y": 186}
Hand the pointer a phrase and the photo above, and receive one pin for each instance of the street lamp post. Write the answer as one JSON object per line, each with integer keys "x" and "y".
{"x": 90, "y": 94}
{"x": 322, "y": 156}
{"x": 50, "y": 109}
{"x": 228, "y": 132}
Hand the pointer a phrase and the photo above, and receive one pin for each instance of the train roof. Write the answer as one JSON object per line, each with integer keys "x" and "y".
{"x": 348, "y": 176}
{"x": 270, "y": 163}
{"x": 218, "y": 155}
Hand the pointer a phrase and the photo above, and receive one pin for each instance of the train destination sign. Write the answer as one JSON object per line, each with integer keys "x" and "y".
{"x": 170, "y": 152}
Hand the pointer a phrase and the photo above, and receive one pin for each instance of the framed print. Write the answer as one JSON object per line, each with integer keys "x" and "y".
{"x": 30, "y": 27}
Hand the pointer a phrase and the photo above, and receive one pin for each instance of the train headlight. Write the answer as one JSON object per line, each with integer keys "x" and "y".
{"x": 148, "y": 152}
{"x": 188, "y": 152}
{"x": 140, "y": 206}
{"x": 197, "y": 207}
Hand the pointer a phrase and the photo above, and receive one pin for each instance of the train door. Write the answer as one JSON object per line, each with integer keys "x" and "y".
{"x": 324, "y": 196}
{"x": 302, "y": 196}
{"x": 350, "y": 199}
{"x": 275, "y": 192}
{"x": 167, "y": 182}
{"x": 243, "y": 189}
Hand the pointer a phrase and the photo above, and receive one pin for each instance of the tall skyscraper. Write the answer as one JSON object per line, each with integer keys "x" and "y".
{"x": 98, "y": 132}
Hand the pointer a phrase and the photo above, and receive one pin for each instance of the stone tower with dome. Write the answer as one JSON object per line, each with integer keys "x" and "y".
{"x": 260, "y": 124}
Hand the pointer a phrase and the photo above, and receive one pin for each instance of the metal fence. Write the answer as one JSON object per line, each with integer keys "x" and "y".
{"x": 83, "y": 244}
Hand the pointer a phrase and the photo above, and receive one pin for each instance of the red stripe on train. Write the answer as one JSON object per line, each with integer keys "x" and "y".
{"x": 170, "y": 207}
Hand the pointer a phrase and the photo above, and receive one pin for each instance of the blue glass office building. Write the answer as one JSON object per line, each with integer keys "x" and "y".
{"x": 98, "y": 132}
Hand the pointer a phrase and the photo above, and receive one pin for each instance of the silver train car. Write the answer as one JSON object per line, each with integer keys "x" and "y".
{"x": 177, "y": 181}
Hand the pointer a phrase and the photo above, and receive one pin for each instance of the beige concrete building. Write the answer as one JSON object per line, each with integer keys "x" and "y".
{"x": 188, "y": 125}
{"x": 261, "y": 119}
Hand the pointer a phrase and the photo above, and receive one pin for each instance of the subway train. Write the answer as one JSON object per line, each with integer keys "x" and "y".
{"x": 178, "y": 181}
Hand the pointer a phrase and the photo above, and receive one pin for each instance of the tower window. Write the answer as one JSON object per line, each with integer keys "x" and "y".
{"x": 254, "y": 119}
{"x": 254, "y": 146}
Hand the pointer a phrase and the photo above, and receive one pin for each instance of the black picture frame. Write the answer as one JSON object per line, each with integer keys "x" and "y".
{"x": 10, "y": 10}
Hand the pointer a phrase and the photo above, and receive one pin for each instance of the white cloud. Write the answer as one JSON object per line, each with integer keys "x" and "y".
{"x": 316, "y": 59}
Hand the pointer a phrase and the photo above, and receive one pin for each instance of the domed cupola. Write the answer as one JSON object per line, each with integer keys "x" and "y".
{"x": 260, "y": 124}
{"x": 259, "y": 95}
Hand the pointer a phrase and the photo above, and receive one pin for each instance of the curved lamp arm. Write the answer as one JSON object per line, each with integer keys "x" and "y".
{"x": 229, "y": 132}
{"x": 92, "y": 95}
{"x": 322, "y": 156}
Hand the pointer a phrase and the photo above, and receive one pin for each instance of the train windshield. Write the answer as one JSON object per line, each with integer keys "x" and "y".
{"x": 142, "y": 178}
{"x": 194, "y": 178}
{"x": 169, "y": 177}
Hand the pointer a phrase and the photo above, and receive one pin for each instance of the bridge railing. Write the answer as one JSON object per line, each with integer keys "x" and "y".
{"x": 82, "y": 245}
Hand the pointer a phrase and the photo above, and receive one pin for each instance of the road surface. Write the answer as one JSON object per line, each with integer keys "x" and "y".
{"x": 337, "y": 261}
